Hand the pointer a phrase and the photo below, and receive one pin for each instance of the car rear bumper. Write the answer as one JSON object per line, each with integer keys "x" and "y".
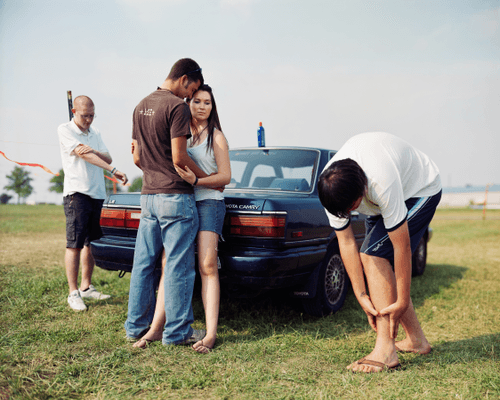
{"x": 261, "y": 269}
{"x": 255, "y": 268}
{"x": 114, "y": 253}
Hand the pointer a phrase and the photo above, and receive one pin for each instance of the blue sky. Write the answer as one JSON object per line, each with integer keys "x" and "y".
{"x": 314, "y": 72}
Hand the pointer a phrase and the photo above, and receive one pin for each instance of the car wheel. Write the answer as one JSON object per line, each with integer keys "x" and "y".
{"x": 419, "y": 258}
{"x": 331, "y": 286}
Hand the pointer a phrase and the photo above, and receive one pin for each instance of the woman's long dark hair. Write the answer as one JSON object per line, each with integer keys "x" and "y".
{"x": 213, "y": 118}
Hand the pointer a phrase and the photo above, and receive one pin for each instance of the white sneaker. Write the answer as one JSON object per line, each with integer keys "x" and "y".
{"x": 92, "y": 293}
{"x": 76, "y": 302}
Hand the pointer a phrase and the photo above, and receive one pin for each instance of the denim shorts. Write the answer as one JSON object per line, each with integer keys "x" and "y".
{"x": 420, "y": 213}
{"x": 83, "y": 215}
{"x": 211, "y": 214}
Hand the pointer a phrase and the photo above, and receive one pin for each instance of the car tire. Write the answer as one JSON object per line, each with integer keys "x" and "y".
{"x": 332, "y": 286}
{"x": 419, "y": 257}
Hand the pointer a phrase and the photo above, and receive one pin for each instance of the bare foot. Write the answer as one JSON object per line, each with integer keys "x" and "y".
{"x": 204, "y": 345}
{"x": 375, "y": 363}
{"x": 148, "y": 338}
{"x": 407, "y": 346}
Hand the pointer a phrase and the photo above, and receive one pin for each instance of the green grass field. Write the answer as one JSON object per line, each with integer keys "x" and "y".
{"x": 266, "y": 349}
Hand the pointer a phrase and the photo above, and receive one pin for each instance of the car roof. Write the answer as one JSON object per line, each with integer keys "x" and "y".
{"x": 281, "y": 147}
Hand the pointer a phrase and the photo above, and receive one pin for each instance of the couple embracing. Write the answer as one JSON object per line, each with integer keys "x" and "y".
{"x": 185, "y": 161}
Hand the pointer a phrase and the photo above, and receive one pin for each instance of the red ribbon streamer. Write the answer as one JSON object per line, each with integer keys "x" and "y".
{"x": 111, "y": 179}
{"x": 29, "y": 164}
{"x": 46, "y": 169}
{"x": 116, "y": 181}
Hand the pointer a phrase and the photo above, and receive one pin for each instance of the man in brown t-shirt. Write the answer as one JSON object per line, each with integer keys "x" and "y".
{"x": 169, "y": 219}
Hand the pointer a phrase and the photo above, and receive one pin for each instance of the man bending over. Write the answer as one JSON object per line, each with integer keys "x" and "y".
{"x": 398, "y": 188}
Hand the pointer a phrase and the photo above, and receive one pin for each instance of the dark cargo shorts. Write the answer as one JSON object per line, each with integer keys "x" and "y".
{"x": 83, "y": 215}
{"x": 420, "y": 213}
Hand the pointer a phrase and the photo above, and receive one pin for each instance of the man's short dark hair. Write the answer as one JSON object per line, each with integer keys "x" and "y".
{"x": 188, "y": 67}
{"x": 340, "y": 186}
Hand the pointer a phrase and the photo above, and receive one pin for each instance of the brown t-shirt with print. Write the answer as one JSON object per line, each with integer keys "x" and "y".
{"x": 159, "y": 118}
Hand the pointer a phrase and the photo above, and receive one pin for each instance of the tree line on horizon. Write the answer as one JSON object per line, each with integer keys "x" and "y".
{"x": 20, "y": 183}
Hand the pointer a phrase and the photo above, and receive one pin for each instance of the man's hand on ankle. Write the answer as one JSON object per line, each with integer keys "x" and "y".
{"x": 367, "y": 306}
{"x": 395, "y": 311}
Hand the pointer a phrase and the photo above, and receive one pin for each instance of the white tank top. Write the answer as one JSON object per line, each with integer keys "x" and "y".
{"x": 206, "y": 161}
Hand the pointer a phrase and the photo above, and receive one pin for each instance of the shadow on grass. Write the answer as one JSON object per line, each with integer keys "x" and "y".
{"x": 276, "y": 312}
{"x": 436, "y": 278}
{"x": 484, "y": 347}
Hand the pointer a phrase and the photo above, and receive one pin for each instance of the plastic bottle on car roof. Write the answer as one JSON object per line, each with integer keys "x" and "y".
{"x": 261, "y": 136}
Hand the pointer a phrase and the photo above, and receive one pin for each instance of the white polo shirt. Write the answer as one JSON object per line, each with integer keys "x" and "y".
{"x": 395, "y": 170}
{"x": 79, "y": 175}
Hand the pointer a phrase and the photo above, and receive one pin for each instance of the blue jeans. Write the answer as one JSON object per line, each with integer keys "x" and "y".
{"x": 170, "y": 222}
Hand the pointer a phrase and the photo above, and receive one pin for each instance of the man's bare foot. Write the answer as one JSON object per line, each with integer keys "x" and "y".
{"x": 148, "y": 338}
{"x": 407, "y": 346}
{"x": 375, "y": 363}
{"x": 204, "y": 345}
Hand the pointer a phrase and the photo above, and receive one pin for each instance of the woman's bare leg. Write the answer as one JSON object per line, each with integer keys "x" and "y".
{"x": 155, "y": 332}
{"x": 210, "y": 287}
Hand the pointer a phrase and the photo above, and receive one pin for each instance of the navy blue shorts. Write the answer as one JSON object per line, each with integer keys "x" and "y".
{"x": 211, "y": 214}
{"x": 420, "y": 213}
{"x": 83, "y": 216}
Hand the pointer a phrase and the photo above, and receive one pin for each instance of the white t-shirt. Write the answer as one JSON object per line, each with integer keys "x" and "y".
{"x": 395, "y": 170}
{"x": 206, "y": 161}
{"x": 79, "y": 175}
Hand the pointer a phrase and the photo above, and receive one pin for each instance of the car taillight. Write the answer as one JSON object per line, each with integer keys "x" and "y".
{"x": 260, "y": 226}
{"x": 120, "y": 218}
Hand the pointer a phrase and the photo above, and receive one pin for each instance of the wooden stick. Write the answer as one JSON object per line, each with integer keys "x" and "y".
{"x": 70, "y": 105}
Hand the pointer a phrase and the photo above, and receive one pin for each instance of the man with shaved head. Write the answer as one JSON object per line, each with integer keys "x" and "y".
{"x": 84, "y": 156}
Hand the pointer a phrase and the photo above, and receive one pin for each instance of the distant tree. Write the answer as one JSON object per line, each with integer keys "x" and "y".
{"x": 109, "y": 184}
{"x": 20, "y": 183}
{"x": 136, "y": 185}
{"x": 4, "y": 198}
{"x": 57, "y": 183}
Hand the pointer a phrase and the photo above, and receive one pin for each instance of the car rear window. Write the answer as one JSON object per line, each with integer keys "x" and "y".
{"x": 273, "y": 169}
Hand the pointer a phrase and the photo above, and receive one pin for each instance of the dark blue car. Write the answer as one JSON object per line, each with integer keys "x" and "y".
{"x": 276, "y": 234}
